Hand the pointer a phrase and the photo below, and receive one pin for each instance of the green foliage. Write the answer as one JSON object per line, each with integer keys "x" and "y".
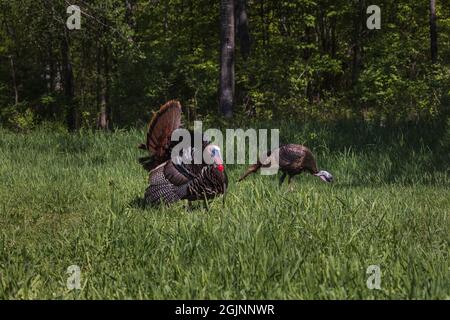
{"x": 301, "y": 63}
{"x": 18, "y": 117}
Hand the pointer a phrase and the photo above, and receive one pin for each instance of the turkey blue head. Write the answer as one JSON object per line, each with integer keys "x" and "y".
{"x": 213, "y": 152}
{"x": 324, "y": 175}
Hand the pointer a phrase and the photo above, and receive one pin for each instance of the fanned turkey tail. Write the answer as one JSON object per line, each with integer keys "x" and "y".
{"x": 159, "y": 133}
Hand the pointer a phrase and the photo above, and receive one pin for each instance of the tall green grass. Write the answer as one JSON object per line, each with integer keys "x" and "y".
{"x": 74, "y": 199}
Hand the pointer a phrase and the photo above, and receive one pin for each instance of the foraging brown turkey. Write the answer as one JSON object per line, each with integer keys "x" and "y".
{"x": 177, "y": 177}
{"x": 292, "y": 159}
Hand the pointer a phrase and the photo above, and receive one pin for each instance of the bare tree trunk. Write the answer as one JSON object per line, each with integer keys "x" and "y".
{"x": 433, "y": 32}
{"x": 69, "y": 92}
{"x": 333, "y": 48}
{"x": 227, "y": 47}
{"x": 357, "y": 45}
{"x": 12, "y": 34}
{"x": 242, "y": 28}
{"x": 13, "y": 76}
{"x": 104, "y": 115}
{"x": 107, "y": 86}
{"x": 51, "y": 66}
{"x": 102, "y": 122}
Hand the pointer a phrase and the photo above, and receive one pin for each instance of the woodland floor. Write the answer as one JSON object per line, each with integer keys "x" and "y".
{"x": 75, "y": 200}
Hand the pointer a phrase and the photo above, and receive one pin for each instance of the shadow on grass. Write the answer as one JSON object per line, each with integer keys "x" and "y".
{"x": 138, "y": 203}
{"x": 189, "y": 206}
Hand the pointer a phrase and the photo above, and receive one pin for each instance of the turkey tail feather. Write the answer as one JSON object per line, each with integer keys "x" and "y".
{"x": 252, "y": 169}
{"x": 160, "y": 128}
{"x": 159, "y": 134}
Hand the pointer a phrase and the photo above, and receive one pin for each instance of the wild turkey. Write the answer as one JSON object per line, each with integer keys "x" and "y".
{"x": 177, "y": 177}
{"x": 292, "y": 159}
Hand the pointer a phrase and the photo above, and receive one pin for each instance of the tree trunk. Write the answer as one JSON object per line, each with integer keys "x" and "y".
{"x": 333, "y": 37}
{"x": 357, "y": 45}
{"x": 227, "y": 46}
{"x": 242, "y": 28}
{"x": 13, "y": 76}
{"x": 12, "y": 34}
{"x": 104, "y": 114}
{"x": 102, "y": 122}
{"x": 69, "y": 92}
{"x": 433, "y": 32}
{"x": 166, "y": 17}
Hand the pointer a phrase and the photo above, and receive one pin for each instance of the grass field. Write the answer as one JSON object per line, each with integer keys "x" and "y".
{"x": 74, "y": 200}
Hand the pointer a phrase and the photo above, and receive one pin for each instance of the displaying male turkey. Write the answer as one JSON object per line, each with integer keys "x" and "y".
{"x": 292, "y": 159}
{"x": 177, "y": 177}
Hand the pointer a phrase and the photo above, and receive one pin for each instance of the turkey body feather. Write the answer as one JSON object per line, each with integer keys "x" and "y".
{"x": 292, "y": 159}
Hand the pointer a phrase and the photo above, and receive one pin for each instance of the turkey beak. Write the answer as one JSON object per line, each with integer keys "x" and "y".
{"x": 218, "y": 161}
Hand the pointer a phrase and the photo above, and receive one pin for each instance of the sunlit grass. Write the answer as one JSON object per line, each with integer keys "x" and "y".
{"x": 74, "y": 200}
